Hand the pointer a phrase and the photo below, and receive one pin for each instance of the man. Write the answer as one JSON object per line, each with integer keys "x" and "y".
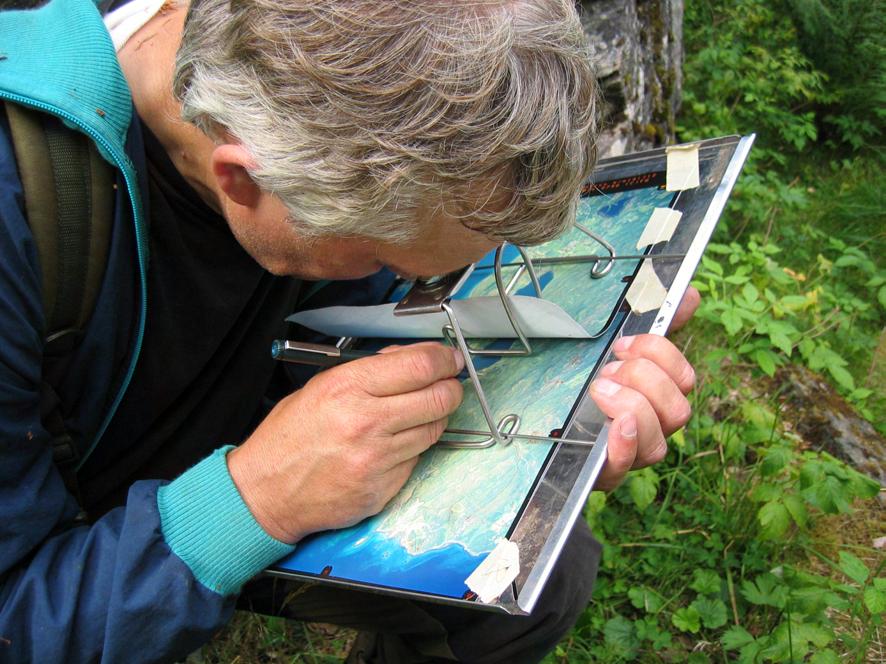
{"x": 329, "y": 140}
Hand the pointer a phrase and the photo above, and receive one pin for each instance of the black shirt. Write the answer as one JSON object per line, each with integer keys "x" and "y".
{"x": 205, "y": 365}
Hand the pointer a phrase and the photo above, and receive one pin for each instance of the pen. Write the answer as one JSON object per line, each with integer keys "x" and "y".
{"x": 318, "y": 355}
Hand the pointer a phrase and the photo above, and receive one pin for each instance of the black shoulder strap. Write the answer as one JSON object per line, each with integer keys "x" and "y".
{"x": 69, "y": 201}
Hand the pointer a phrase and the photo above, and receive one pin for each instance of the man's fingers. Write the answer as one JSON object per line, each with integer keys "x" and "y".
{"x": 688, "y": 305}
{"x": 429, "y": 404}
{"x": 406, "y": 369}
{"x": 617, "y": 401}
{"x": 657, "y": 387}
{"x": 621, "y": 452}
{"x": 410, "y": 443}
{"x": 660, "y": 352}
{"x": 393, "y": 348}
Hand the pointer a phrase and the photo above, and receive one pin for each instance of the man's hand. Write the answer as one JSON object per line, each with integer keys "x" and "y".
{"x": 337, "y": 450}
{"x": 644, "y": 392}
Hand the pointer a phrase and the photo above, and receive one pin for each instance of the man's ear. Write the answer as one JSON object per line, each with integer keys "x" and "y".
{"x": 229, "y": 165}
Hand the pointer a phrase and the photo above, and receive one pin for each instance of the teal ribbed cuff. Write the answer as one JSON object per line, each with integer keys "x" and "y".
{"x": 206, "y": 523}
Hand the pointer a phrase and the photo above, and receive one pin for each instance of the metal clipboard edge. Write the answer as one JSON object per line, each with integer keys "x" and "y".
{"x": 704, "y": 144}
{"x": 505, "y": 606}
{"x": 702, "y": 236}
{"x": 573, "y": 507}
{"x": 575, "y": 502}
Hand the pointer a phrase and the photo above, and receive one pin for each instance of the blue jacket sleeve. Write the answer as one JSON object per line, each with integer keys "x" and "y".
{"x": 149, "y": 581}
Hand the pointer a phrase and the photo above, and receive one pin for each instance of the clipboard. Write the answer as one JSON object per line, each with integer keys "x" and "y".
{"x": 496, "y": 499}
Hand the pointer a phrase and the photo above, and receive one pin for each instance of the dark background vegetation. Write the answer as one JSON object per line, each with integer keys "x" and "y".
{"x": 750, "y": 543}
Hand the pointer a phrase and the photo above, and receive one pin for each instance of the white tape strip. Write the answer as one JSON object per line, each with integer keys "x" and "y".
{"x": 646, "y": 292}
{"x": 660, "y": 227}
{"x": 682, "y": 167}
{"x": 493, "y": 576}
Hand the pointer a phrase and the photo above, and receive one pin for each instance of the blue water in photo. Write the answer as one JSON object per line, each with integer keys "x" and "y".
{"x": 384, "y": 562}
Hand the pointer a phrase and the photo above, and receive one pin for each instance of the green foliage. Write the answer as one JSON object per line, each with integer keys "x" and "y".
{"x": 771, "y": 314}
{"x": 789, "y": 70}
{"x": 698, "y": 563}
{"x": 711, "y": 611}
{"x": 708, "y": 546}
{"x": 706, "y": 582}
{"x": 643, "y": 486}
{"x": 687, "y": 619}
{"x": 846, "y": 40}
{"x": 707, "y": 557}
{"x": 747, "y": 73}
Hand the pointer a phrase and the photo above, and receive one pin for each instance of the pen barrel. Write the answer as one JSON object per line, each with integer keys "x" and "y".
{"x": 317, "y": 355}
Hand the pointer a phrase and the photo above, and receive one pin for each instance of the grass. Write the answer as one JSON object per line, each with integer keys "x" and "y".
{"x": 255, "y": 639}
{"x": 856, "y": 533}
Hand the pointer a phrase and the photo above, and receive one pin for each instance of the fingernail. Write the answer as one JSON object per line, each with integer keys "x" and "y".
{"x": 627, "y": 427}
{"x": 610, "y": 368}
{"x": 605, "y": 387}
{"x": 622, "y": 344}
{"x": 459, "y": 359}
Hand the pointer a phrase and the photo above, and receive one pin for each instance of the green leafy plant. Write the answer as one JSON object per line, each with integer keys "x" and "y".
{"x": 846, "y": 40}
{"x": 716, "y": 554}
{"x": 771, "y": 314}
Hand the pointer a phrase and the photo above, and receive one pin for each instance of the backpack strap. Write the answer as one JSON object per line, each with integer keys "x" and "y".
{"x": 69, "y": 200}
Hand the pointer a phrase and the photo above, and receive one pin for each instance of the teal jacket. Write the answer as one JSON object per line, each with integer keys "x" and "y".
{"x": 152, "y": 580}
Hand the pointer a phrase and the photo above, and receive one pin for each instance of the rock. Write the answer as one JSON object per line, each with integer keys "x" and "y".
{"x": 637, "y": 47}
{"x": 825, "y": 421}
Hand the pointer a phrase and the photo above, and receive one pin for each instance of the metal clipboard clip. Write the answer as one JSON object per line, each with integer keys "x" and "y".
{"x": 435, "y": 295}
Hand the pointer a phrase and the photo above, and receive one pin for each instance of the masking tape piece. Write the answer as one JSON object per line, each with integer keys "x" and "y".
{"x": 682, "y": 167}
{"x": 497, "y": 571}
{"x": 646, "y": 292}
{"x": 660, "y": 227}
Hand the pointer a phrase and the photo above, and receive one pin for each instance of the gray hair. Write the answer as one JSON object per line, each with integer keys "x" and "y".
{"x": 362, "y": 114}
